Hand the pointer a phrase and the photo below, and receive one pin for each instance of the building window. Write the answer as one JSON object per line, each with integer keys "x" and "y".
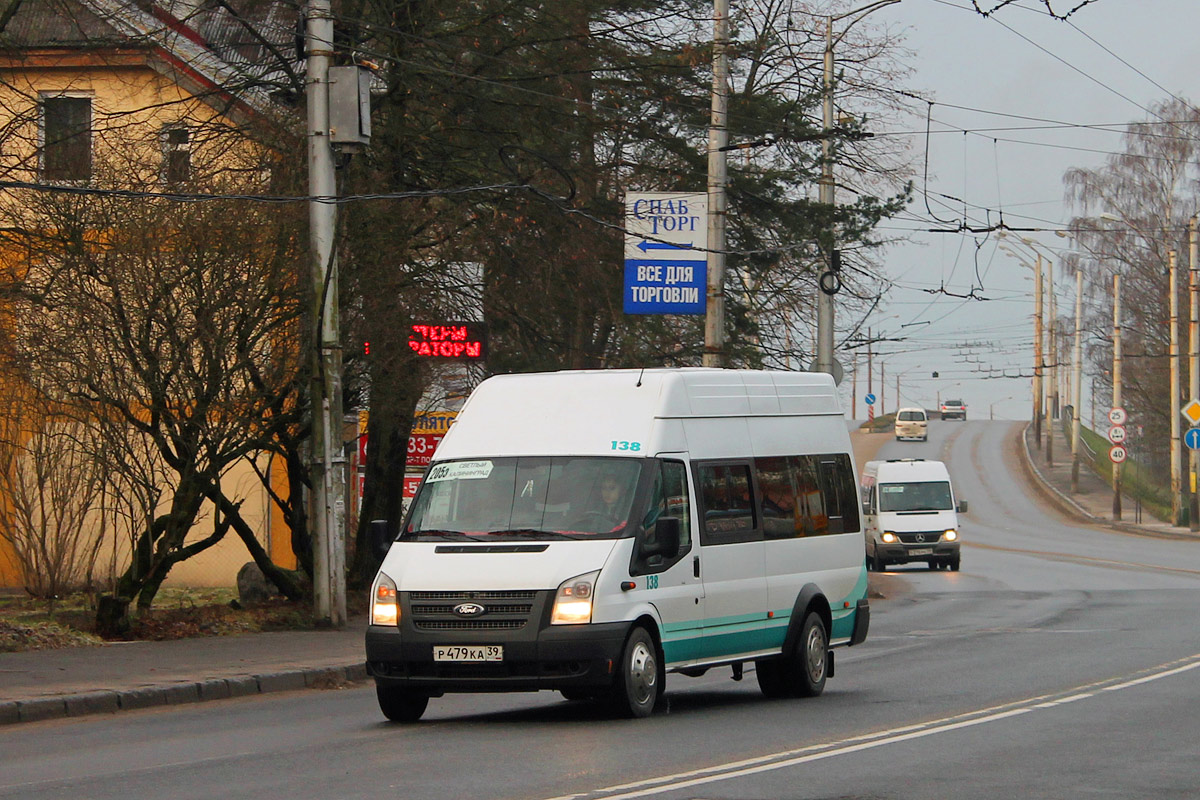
{"x": 177, "y": 154}
{"x": 66, "y": 138}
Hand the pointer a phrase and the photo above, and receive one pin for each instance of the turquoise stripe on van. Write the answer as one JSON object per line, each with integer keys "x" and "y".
{"x": 719, "y": 637}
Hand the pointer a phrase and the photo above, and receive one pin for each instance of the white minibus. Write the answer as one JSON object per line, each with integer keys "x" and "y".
{"x": 910, "y": 514}
{"x": 592, "y": 531}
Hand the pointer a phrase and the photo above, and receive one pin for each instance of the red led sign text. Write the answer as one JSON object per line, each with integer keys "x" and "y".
{"x": 464, "y": 341}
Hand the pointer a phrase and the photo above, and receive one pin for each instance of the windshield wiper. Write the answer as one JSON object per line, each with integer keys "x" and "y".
{"x": 531, "y": 533}
{"x": 451, "y": 536}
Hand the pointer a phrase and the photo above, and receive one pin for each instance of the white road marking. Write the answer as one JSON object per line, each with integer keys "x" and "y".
{"x": 817, "y": 752}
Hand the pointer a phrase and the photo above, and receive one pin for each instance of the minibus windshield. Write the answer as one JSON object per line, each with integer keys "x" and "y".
{"x": 925, "y": 496}
{"x": 525, "y": 498}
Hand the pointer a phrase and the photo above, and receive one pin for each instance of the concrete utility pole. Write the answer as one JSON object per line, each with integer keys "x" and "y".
{"x": 870, "y": 383}
{"x": 882, "y": 390}
{"x": 718, "y": 177}
{"x": 1038, "y": 355}
{"x": 1076, "y": 383}
{"x": 1194, "y": 367}
{"x": 1176, "y": 465}
{"x": 329, "y": 491}
{"x": 1116, "y": 392}
{"x": 1053, "y": 387}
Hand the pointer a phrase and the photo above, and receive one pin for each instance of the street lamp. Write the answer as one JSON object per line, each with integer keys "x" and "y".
{"x": 825, "y": 293}
{"x": 993, "y": 405}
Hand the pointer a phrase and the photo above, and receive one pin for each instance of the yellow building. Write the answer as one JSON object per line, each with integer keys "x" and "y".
{"x": 116, "y": 93}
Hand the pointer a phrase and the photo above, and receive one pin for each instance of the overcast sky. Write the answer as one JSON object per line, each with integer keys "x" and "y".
{"x": 1022, "y": 72}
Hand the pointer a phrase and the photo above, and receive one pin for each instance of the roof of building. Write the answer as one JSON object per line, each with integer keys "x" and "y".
{"x": 246, "y": 47}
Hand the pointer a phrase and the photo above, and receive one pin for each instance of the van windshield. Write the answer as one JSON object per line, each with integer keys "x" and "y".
{"x": 528, "y": 498}
{"x": 926, "y": 496}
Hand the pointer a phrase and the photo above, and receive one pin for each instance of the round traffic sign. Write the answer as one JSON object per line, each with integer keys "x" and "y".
{"x": 1117, "y": 453}
{"x": 1117, "y": 434}
{"x": 1117, "y": 416}
{"x": 869, "y": 399}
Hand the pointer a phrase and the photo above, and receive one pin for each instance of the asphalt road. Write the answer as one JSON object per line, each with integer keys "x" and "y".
{"x": 1062, "y": 661}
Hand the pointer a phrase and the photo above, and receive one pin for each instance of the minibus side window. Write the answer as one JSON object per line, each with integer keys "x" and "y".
{"x": 668, "y": 498}
{"x": 841, "y": 500}
{"x": 726, "y": 499}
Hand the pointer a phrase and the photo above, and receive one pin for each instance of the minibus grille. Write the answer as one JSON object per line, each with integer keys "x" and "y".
{"x": 502, "y": 610}
{"x": 920, "y": 537}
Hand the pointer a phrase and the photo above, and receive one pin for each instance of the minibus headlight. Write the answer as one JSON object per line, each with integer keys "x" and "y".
{"x": 950, "y": 535}
{"x": 385, "y": 610}
{"x": 573, "y": 600}
{"x": 889, "y": 537}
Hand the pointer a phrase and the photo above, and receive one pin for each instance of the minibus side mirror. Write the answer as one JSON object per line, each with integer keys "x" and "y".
{"x": 666, "y": 539}
{"x": 866, "y": 506}
{"x": 962, "y": 506}
{"x": 380, "y": 538}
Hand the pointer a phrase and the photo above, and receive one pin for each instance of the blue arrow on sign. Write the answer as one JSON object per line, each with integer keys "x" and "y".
{"x": 870, "y": 400}
{"x": 644, "y": 246}
{"x": 1192, "y": 438}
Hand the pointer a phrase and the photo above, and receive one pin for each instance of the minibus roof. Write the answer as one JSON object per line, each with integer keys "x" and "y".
{"x": 582, "y": 412}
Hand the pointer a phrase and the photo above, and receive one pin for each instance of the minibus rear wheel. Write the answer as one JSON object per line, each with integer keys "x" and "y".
{"x": 401, "y": 705}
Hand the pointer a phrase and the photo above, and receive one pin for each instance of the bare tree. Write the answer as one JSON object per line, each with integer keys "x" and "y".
{"x": 50, "y": 484}
{"x": 1131, "y": 213}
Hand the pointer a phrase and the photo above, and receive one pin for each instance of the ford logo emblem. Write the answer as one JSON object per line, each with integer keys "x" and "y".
{"x": 468, "y": 609}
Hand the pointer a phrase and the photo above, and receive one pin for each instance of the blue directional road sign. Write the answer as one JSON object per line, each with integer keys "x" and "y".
{"x": 870, "y": 399}
{"x": 1192, "y": 438}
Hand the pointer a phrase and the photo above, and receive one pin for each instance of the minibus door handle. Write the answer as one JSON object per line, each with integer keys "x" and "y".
{"x": 696, "y": 566}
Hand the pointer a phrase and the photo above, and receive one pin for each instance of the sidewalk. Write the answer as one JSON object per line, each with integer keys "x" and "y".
{"x": 71, "y": 682}
{"x": 1094, "y": 500}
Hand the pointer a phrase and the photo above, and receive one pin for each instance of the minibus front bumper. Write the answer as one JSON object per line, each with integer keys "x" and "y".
{"x": 899, "y": 553}
{"x": 557, "y": 657}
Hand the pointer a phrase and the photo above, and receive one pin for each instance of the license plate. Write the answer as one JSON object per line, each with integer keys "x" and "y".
{"x": 921, "y": 551}
{"x": 461, "y": 652}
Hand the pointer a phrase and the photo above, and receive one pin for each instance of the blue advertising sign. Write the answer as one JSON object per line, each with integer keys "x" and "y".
{"x": 665, "y": 287}
{"x": 666, "y": 270}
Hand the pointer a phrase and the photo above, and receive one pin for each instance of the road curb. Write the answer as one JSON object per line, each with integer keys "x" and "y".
{"x": 92, "y": 702}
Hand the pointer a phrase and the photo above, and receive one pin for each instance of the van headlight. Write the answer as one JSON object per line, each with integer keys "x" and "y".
{"x": 573, "y": 600}
{"x": 385, "y": 610}
{"x": 889, "y": 537}
{"x": 950, "y": 535}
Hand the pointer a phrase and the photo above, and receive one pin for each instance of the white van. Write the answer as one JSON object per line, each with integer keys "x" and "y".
{"x": 909, "y": 514}
{"x": 912, "y": 423}
{"x": 590, "y": 532}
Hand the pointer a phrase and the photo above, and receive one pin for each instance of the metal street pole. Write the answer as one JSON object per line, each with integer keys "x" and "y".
{"x": 1076, "y": 383}
{"x": 1194, "y": 366}
{"x": 1052, "y": 389}
{"x": 718, "y": 177}
{"x": 825, "y": 316}
{"x": 1176, "y": 464}
{"x": 1116, "y": 392}
{"x": 824, "y": 299}
{"x": 1038, "y": 356}
{"x": 329, "y": 505}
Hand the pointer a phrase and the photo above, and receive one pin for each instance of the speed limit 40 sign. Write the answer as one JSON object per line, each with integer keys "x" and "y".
{"x": 1117, "y": 454}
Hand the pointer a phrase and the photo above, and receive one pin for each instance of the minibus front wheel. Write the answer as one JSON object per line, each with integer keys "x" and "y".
{"x": 639, "y": 677}
{"x": 399, "y": 704}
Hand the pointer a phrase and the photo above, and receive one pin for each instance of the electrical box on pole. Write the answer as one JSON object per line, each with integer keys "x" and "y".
{"x": 350, "y": 107}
